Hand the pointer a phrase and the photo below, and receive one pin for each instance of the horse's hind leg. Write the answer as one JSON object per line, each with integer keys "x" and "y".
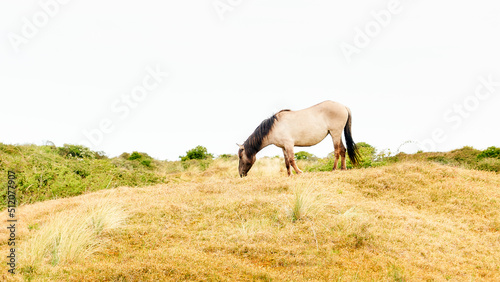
{"x": 342, "y": 155}
{"x": 336, "y": 151}
{"x": 339, "y": 152}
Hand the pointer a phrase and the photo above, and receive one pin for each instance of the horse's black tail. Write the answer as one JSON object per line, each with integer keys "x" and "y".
{"x": 352, "y": 149}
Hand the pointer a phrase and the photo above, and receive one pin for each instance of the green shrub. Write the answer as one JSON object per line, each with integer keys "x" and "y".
{"x": 78, "y": 151}
{"x": 134, "y": 156}
{"x": 146, "y": 162}
{"x": 491, "y": 152}
{"x": 198, "y": 153}
{"x": 303, "y": 155}
{"x": 367, "y": 153}
{"x": 143, "y": 158}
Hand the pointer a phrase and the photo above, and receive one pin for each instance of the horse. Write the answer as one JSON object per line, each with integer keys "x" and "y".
{"x": 302, "y": 128}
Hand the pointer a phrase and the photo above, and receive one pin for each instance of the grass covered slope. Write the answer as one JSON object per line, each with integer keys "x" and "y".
{"x": 49, "y": 172}
{"x": 466, "y": 157}
{"x": 409, "y": 220}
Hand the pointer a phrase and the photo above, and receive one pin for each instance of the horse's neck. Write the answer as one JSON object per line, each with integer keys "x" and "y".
{"x": 266, "y": 142}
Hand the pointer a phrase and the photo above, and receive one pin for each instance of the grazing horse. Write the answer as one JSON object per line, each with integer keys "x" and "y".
{"x": 303, "y": 128}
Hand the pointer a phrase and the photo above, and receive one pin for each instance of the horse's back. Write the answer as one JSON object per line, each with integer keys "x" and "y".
{"x": 329, "y": 108}
{"x": 311, "y": 125}
{"x": 329, "y": 112}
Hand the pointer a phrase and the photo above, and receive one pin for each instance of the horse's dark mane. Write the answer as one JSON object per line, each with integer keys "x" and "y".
{"x": 254, "y": 142}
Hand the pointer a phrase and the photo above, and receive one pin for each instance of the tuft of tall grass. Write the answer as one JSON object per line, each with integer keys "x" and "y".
{"x": 305, "y": 202}
{"x": 72, "y": 235}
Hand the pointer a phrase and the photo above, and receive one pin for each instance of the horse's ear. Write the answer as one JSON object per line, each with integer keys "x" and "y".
{"x": 241, "y": 146}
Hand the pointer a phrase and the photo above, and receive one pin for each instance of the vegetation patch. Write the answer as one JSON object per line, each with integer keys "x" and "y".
{"x": 70, "y": 236}
{"x": 369, "y": 157}
{"x": 198, "y": 153}
{"x": 50, "y": 172}
{"x": 466, "y": 157}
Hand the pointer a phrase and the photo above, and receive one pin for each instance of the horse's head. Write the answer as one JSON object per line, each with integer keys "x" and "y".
{"x": 245, "y": 162}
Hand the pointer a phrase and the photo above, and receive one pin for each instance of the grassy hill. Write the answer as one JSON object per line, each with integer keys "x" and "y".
{"x": 410, "y": 218}
{"x": 49, "y": 172}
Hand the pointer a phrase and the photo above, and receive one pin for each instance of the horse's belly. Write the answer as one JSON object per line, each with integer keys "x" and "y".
{"x": 309, "y": 139}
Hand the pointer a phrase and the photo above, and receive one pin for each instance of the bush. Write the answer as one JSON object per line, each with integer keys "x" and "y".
{"x": 367, "y": 153}
{"x": 79, "y": 151}
{"x": 134, "y": 156}
{"x": 142, "y": 158}
{"x": 198, "y": 153}
{"x": 491, "y": 152}
{"x": 303, "y": 155}
{"x": 146, "y": 162}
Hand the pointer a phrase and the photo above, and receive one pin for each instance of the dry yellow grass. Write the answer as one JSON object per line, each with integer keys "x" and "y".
{"x": 71, "y": 235}
{"x": 408, "y": 221}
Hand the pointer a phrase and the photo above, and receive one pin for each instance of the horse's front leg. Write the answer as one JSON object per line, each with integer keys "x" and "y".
{"x": 288, "y": 151}
{"x": 287, "y": 162}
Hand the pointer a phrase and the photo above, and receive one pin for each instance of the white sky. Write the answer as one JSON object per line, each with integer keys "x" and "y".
{"x": 67, "y": 72}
